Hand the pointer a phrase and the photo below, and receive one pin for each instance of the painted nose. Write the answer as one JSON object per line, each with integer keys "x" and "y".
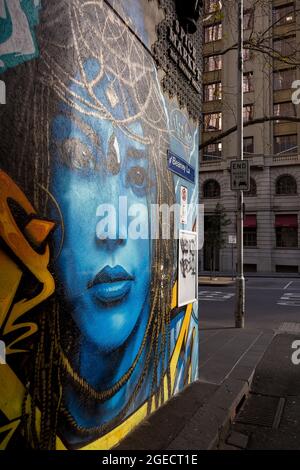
{"x": 111, "y": 229}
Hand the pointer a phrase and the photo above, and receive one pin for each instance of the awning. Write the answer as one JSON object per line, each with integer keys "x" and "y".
{"x": 250, "y": 221}
{"x": 286, "y": 221}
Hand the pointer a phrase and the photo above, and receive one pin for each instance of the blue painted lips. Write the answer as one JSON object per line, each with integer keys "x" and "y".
{"x": 111, "y": 284}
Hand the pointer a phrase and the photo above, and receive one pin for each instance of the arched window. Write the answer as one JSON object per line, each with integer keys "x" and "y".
{"x": 286, "y": 185}
{"x": 253, "y": 189}
{"x": 211, "y": 189}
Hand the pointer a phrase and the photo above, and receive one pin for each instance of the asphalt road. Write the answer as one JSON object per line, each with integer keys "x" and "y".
{"x": 269, "y": 302}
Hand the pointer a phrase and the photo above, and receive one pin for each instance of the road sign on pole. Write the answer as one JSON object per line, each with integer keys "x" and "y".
{"x": 232, "y": 239}
{"x": 240, "y": 175}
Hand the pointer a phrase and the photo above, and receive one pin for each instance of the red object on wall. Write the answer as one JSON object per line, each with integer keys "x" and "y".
{"x": 250, "y": 221}
{"x": 286, "y": 220}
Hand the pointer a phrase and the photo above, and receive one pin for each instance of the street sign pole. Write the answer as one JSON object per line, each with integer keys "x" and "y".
{"x": 240, "y": 280}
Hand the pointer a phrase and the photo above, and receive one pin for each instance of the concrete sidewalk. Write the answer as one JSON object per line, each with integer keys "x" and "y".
{"x": 199, "y": 417}
{"x": 270, "y": 417}
{"x": 215, "y": 281}
{"x": 254, "y": 274}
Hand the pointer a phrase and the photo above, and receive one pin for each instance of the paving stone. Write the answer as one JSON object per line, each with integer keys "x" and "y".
{"x": 242, "y": 373}
{"x": 228, "y": 447}
{"x": 238, "y": 439}
{"x": 230, "y": 394}
{"x": 163, "y": 426}
{"x": 269, "y": 377}
{"x": 276, "y": 381}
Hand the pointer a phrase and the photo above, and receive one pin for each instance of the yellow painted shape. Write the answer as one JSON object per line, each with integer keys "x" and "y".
{"x": 36, "y": 263}
{"x": 9, "y": 431}
{"x": 38, "y": 230}
{"x": 174, "y": 296}
{"x": 10, "y": 276}
{"x": 12, "y": 394}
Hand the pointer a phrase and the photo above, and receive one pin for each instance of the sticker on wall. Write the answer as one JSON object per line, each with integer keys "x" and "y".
{"x": 183, "y": 205}
{"x": 17, "y": 38}
{"x": 187, "y": 268}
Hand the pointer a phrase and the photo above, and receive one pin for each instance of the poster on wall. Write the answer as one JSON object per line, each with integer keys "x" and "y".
{"x": 187, "y": 268}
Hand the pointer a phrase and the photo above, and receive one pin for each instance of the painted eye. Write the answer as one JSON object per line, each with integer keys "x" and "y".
{"x": 137, "y": 177}
{"x": 75, "y": 154}
{"x": 138, "y": 180}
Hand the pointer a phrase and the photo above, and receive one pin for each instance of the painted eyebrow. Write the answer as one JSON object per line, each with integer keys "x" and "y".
{"x": 85, "y": 128}
{"x": 135, "y": 153}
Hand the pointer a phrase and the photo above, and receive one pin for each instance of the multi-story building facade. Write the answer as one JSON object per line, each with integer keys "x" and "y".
{"x": 272, "y": 59}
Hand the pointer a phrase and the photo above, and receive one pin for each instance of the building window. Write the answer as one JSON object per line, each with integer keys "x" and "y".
{"x": 212, "y": 122}
{"x": 213, "y": 151}
{"x": 212, "y": 6}
{"x": 286, "y": 268}
{"x": 211, "y": 189}
{"x": 250, "y": 231}
{"x": 253, "y": 189}
{"x": 286, "y": 227}
{"x": 250, "y": 268}
{"x": 285, "y": 47}
{"x": 248, "y": 82}
{"x": 286, "y": 185}
{"x": 212, "y": 62}
{"x": 250, "y": 237}
{"x": 212, "y": 91}
{"x": 283, "y": 79}
{"x": 285, "y": 144}
{"x": 284, "y": 14}
{"x": 248, "y": 18}
{"x": 213, "y": 33}
{"x": 248, "y": 145}
{"x": 287, "y": 108}
{"x": 248, "y": 112}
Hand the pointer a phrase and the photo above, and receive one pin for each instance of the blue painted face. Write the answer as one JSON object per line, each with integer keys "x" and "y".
{"x": 106, "y": 281}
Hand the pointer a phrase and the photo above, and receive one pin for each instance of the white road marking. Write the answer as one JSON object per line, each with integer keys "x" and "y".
{"x": 290, "y": 299}
{"x": 288, "y": 285}
{"x": 215, "y": 296}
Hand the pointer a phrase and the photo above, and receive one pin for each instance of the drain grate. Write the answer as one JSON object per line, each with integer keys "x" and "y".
{"x": 259, "y": 410}
{"x": 289, "y": 327}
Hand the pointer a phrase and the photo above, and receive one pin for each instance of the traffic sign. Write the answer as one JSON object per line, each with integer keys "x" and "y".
{"x": 232, "y": 239}
{"x": 240, "y": 175}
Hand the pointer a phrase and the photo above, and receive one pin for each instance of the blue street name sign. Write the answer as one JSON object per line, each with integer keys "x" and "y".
{"x": 180, "y": 167}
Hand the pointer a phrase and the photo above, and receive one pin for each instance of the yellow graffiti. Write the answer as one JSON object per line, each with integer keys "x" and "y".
{"x": 8, "y": 431}
{"x": 11, "y": 271}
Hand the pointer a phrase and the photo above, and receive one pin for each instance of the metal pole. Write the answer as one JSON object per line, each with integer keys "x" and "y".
{"x": 240, "y": 280}
{"x": 232, "y": 272}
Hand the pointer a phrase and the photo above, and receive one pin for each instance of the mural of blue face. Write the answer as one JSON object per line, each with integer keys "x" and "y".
{"x": 106, "y": 281}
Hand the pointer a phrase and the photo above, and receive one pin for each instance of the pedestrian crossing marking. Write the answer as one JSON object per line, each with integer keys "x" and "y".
{"x": 215, "y": 296}
{"x": 290, "y": 299}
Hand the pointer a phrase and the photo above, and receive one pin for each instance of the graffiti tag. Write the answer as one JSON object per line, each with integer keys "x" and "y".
{"x": 17, "y": 40}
